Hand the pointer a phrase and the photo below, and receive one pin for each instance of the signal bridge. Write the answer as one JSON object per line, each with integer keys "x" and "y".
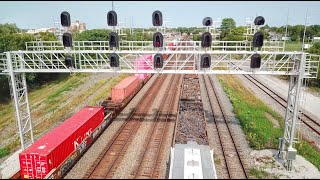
{"x": 93, "y": 56}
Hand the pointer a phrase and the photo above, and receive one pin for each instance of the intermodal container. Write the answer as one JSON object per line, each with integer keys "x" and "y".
{"x": 51, "y": 150}
{"x": 142, "y": 76}
{"x": 124, "y": 89}
{"x": 141, "y": 64}
{"x": 171, "y": 46}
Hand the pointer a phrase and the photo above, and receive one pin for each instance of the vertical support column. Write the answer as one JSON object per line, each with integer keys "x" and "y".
{"x": 286, "y": 150}
{"x": 20, "y": 97}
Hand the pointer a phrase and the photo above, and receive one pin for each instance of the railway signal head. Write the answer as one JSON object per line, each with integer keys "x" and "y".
{"x": 69, "y": 61}
{"x": 65, "y": 19}
{"x": 255, "y": 61}
{"x": 257, "y": 39}
{"x": 112, "y": 18}
{"x": 113, "y": 40}
{"x": 207, "y": 21}
{"x": 157, "y": 18}
{"x": 158, "y": 61}
{"x": 259, "y": 21}
{"x": 114, "y": 60}
{"x": 206, "y": 40}
{"x": 157, "y": 39}
{"x": 205, "y": 61}
{"x": 67, "y": 40}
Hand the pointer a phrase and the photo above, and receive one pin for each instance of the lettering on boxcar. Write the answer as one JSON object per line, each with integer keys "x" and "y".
{"x": 79, "y": 140}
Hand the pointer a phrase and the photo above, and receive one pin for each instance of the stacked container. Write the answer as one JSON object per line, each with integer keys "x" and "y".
{"x": 56, "y": 147}
{"x": 141, "y": 64}
{"x": 124, "y": 89}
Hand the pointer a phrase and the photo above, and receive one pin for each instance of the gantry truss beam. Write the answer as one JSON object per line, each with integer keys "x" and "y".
{"x": 181, "y": 61}
{"x": 146, "y": 45}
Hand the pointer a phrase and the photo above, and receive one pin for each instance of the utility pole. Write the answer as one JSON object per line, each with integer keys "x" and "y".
{"x": 284, "y": 44}
{"x": 305, "y": 28}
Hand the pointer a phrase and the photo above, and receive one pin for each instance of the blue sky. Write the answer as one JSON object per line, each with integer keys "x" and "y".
{"x": 37, "y": 14}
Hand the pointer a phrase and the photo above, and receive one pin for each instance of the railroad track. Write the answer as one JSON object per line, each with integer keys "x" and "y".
{"x": 306, "y": 119}
{"x": 107, "y": 162}
{"x": 151, "y": 158}
{"x": 232, "y": 159}
{"x": 191, "y": 125}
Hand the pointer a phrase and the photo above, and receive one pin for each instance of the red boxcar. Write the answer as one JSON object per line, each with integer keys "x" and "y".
{"x": 124, "y": 89}
{"x": 56, "y": 147}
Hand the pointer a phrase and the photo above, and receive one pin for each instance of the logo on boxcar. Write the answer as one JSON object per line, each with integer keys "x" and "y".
{"x": 80, "y": 139}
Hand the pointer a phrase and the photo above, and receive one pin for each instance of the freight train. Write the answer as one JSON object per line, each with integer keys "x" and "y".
{"x": 53, "y": 155}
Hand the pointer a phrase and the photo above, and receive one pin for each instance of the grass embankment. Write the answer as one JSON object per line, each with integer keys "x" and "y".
{"x": 293, "y": 46}
{"x": 106, "y": 92}
{"x": 51, "y": 104}
{"x": 40, "y": 98}
{"x": 253, "y": 116}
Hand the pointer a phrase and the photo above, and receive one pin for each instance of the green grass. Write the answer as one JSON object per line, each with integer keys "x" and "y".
{"x": 315, "y": 89}
{"x": 307, "y": 151}
{"x": 256, "y": 173}
{"x": 67, "y": 86}
{"x": 105, "y": 93}
{"x": 259, "y": 131}
{"x": 293, "y": 46}
{"x": 42, "y": 99}
{"x": 4, "y": 151}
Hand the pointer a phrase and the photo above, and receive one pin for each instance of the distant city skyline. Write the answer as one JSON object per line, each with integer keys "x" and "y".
{"x": 40, "y": 14}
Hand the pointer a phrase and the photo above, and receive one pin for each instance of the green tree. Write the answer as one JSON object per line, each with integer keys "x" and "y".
{"x": 236, "y": 34}
{"x": 11, "y": 42}
{"x": 47, "y": 36}
{"x": 228, "y": 24}
{"x": 93, "y": 35}
{"x": 315, "y": 49}
{"x": 8, "y": 29}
